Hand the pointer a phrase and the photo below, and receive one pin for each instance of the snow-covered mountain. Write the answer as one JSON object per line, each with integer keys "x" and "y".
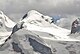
{"x": 36, "y": 33}
{"x": 35, "y": 21}
{"x": 5, "y": 27}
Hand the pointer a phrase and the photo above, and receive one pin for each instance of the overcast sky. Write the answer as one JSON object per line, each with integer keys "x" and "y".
{"x": 17, "y": 8}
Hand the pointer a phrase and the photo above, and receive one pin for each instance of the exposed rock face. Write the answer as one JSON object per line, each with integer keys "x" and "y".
{"x": 39, "y": 47}
{"x": 74, "y": 27}
{"x": 16, "y": 48}
{"x": 24, "y": 16}
{"x": 17, "y": 27}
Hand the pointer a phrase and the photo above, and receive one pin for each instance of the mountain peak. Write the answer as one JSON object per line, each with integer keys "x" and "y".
{"x": 36, "y": 18}
{"x": 34, "y": 12}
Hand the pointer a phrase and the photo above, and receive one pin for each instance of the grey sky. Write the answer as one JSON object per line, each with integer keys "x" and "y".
{"x": 17, "y": 8}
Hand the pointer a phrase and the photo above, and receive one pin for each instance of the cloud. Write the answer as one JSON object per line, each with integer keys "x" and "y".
{"x": 66, "y": 22}
{"x": 47, "y": 7}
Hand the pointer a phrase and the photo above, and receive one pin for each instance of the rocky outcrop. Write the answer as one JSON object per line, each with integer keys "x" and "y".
{"x": 39, "y": 47}
{"x": 17, "y": 27}
{"x": 75, "y": 27}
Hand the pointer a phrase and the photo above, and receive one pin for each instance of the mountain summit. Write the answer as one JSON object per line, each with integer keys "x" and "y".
{"x": 36, "y": 18}
{"x": 35, "y": 21}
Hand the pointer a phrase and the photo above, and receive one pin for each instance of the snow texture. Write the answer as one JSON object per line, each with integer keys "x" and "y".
{"x": 36, "y": 33}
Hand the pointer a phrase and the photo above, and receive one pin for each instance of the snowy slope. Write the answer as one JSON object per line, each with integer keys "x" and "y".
{"x": 5, "y": 24}
{"x": 39, "y": 22}
{"x": 30, "y": 42}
